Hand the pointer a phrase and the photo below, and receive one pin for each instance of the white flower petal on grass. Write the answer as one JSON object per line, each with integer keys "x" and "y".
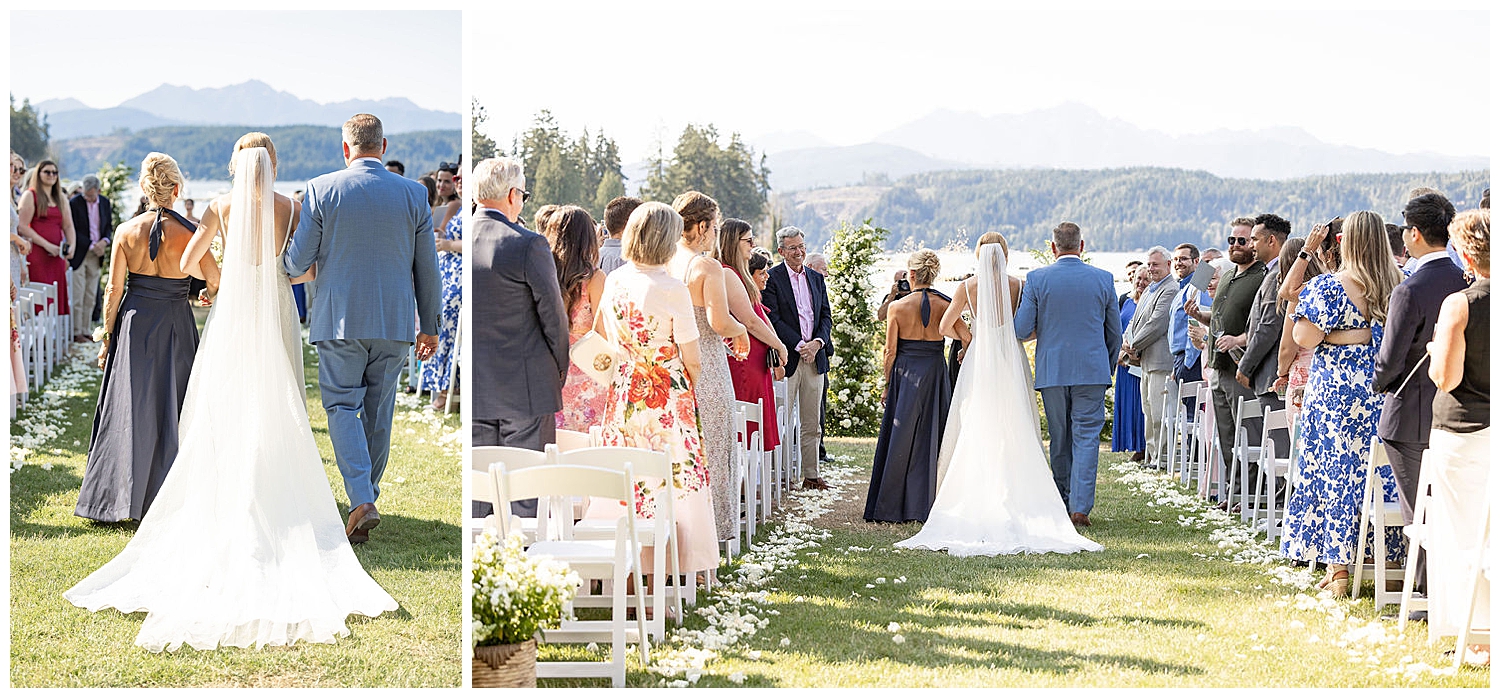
{"x": 880, "y": 580}
{"x": 898, "y": 639}
{"x": 1141, "y": 556}
{"x": 786, "y": 642}
{"x": 894, "y": 627}
{"x": 737, "y": 677}
{"x": 400, "y": 480}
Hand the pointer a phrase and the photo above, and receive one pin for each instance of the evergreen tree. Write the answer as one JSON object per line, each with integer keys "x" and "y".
{"x": 29, "y": 132}
{"x": 482, "y": 146}
{"x": 730, "y": 174}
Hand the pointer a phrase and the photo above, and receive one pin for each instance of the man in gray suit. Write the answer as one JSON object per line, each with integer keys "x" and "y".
{"x": 369, "y": 231}
{"x": 1071, "y": 309}
{"x": 520, "y": 325}
{"x": 1146, "y": 344}
{"x": 1257, "y": 369}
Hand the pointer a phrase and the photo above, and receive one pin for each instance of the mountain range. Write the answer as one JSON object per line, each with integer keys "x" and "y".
{"x": 1073, "y": 136}
{"x": 252, "y": 103}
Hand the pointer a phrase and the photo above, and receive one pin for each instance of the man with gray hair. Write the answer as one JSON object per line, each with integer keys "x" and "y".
{"x": 369, "y": 231}
{"x": 520, "y": 359}
{"x": 796, "y": 298}
{"x": 1145, "y": 343}
{"x": 93, "y": 225}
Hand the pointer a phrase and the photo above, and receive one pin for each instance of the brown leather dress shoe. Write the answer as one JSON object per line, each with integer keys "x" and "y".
{"x": 1081, "y": 519}
{"x": 814, "y": 483}
{"x": 363, "y": 518}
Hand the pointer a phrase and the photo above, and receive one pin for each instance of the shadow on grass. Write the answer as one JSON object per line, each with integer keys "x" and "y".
{"x": 30, "y": 490}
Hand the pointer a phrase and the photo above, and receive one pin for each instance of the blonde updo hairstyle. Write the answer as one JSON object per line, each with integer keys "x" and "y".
{"x": 1470, "y": 231}
{"x": 923, "y": 266}
{"x": 651, "y": 234}
{"x": 991, "y": 238}
{"x": 695, "y": 207}
{"x": 160, "y": 179}
{"x": 253, "y": 139}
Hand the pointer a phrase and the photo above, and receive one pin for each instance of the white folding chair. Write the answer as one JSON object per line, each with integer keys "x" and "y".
{"x": 748, "y": 414}
{"x": 1479, "y": 580}
{"x": 736, "y": 503}
{"x": 616, "y": 560}
{"x": 1244, "y": 454}
{"x": 790, "y": 426}
{"x": 1375, "y": 516}
{"x": 762, "y": 460}
{"x": 1416, "y": 540}
{"x": 481, "y": 488}
{"x": 569, "y": 440}
{"x": 1273, "y": 466}
{"x": 1205, "y": 443}
{"x": 1180, "y": 442}
{"x": 652, "y": 469}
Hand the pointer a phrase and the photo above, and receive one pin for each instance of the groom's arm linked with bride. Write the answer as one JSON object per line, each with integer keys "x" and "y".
{"x": 1069, "y": 307}
{"x": 369, "y": 231}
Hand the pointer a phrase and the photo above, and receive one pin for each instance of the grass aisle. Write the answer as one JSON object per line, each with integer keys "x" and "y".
{"x": 1161, "y": 606}
{"x": 414, "y": 554}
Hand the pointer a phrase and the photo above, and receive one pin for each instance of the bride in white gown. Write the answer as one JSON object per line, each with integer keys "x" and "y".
{"x": 995, "y": 495}
{"x": 243, "y": 545}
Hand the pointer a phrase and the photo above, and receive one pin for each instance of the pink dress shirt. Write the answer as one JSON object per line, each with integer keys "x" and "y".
{"x": 803, "y": 295}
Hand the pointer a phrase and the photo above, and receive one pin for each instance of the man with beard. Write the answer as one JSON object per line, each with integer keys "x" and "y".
{"x": 1226, "y": 322}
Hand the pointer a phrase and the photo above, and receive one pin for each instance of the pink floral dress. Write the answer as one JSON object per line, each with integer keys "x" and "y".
{"x": 651, "y": 405}
{"x": 583, "y": 399}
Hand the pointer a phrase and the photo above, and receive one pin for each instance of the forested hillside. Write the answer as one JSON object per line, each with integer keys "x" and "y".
{"x": 1122, "y": 209}
{"x": 302, "y": 152}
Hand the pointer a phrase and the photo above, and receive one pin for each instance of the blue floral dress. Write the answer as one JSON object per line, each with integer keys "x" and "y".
{"x": 435, "y": 373}
{"x": 1339, "y": 414}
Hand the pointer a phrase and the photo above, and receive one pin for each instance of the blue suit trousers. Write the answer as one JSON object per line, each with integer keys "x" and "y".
{"x": 358, "y": 378}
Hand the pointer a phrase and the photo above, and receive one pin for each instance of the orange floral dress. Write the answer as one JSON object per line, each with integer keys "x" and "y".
{"x": 651, "y": 405}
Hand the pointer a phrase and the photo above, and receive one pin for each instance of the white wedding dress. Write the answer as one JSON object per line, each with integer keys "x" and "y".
{"x": 995, "y": 494}
{"x": 243, "y": 545}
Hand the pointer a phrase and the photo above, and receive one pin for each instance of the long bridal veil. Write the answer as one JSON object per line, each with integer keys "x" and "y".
{"x": 243, "y": 545}
{"x": 996, "y": 495}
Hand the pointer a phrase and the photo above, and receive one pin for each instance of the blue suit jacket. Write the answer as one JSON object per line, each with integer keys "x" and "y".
{"x": 1072, "y": 309}
{"x": 370, "y": 232}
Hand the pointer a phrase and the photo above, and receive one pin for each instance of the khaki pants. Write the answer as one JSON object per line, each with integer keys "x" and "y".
{"x": 83, "y": 289}
{"x": 1153, "y": 384}
{"x": 804, "y": 393}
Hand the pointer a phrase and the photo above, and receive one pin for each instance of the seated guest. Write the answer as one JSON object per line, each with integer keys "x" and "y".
{"x": 917, "y": 393}
{"x": 1459, "y": 447}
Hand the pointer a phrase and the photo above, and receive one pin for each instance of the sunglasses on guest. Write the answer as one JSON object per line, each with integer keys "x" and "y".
{"x": 1239, "y": 241}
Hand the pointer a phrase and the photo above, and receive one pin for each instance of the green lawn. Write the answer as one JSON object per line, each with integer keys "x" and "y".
{"x": 415, "y": 555}
{"x": 1148, "y": 611}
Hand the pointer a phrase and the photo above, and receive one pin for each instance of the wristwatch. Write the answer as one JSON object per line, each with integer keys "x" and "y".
{"x": 1302, "y": 254}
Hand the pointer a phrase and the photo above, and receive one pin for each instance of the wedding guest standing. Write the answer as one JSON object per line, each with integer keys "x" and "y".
{"x": 147, "y": 353}
{"x": 752, "y": 375}
{"x": 1293, "y": 361}
{"x": 575, "y": 251}
{"x": 1256, "y": 369}
{"x": 1129, "y": 435}
{"x": 437, "y": 371}
{"x": 917, "y": 393}
{"x": 1186, "y": 365}
{"x": 20, "y": 246}
{"x": 396, "y": 166}
{"x": 648, "y": 312}
{"x": 1343, "y": 317}
{"x": 187, "y": 205}
{"x": 819, "y": 263}
{"x": 520, "y": 346}
{"x": 714, "y": 387}
{"x": 1069, "y": 308}
{"x": 1146, "y": 344}
{"x": 93, "y": 216}
{"x": 797, "y": 301}
{"x": 1406, "y": 420}
{"x": 48, "y": 224}
{"x": 1459, "y": 446}
{"x": 449, "y": 199}
{"x": 616, "y": 213}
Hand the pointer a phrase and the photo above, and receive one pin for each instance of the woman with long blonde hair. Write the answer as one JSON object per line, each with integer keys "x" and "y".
{"x": 1341, "y": 316}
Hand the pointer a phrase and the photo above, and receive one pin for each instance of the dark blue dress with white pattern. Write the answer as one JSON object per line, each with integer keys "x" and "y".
{"x": 1338, "y": 421}
{"x": 435, "y": 373}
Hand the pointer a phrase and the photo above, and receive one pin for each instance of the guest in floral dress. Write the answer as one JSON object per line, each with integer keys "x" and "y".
{"x": 575, "y": 250}
{"x": 1342, "y": 317}
{"x": 648, "y": 314}
{"x": 436, "y": 371}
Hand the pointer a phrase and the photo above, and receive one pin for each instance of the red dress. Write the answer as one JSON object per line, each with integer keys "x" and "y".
{"x": 44, "y": 268}
{"x": 753, "y": 381}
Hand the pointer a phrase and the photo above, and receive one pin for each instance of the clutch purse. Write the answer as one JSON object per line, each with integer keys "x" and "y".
{"x": 595, "y": 356}
{"x": 773, "y": 357}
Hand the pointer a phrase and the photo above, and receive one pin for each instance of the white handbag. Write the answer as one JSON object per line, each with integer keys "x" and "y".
{"x": 595, "y": 356}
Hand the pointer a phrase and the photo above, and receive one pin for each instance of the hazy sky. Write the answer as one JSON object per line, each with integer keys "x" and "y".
{"x": 104, "y": 58}
{"x": 847, "y": 72}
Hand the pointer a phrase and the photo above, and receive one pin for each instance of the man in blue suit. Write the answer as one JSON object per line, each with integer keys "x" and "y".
{"x": 369, "y": 231}
{"x": 1069, "y": 307}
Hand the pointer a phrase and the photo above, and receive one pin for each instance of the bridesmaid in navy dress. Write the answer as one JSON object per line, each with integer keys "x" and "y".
{"x": 1129, "y": 435}
{"x": 903, "y": 480}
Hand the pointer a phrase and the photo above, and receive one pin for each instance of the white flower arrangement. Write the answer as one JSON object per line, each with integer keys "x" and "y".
{"x": 514, "y": 596}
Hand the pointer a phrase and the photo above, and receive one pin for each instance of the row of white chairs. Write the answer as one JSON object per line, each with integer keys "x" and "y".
{"x": 1190, "y": 451}
{"x": 45, "y": 334}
